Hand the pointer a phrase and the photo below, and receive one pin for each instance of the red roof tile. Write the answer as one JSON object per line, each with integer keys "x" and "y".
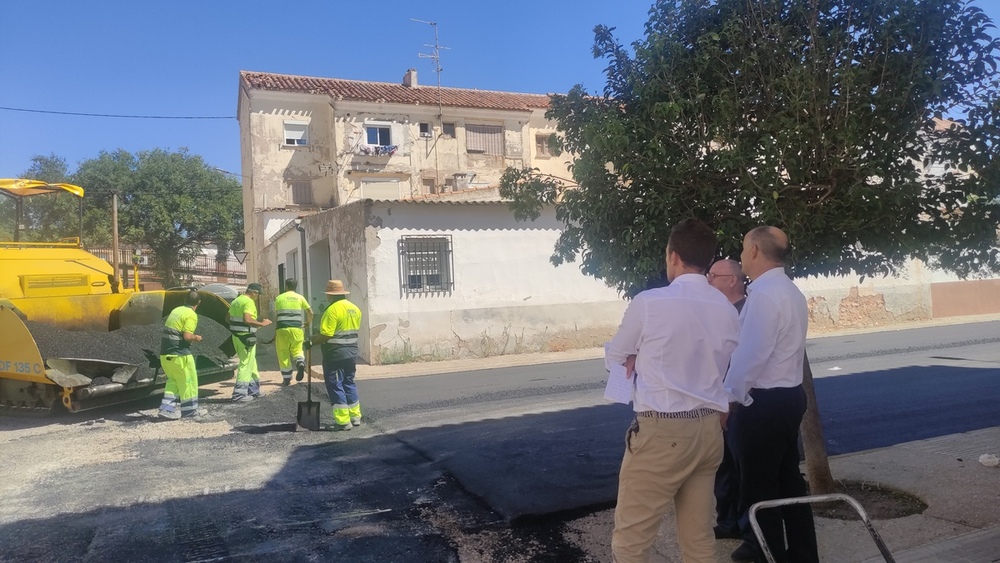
{"x": 384, "y": 92}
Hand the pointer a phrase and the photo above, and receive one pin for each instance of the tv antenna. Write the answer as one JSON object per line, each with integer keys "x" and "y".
{"x": 435, "y": 56}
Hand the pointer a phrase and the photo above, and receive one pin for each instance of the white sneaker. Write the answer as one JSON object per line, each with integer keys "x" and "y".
{"x": 169, "y": 415}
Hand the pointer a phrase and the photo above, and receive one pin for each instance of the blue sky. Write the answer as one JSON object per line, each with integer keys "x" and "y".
{"x": 182, "y": 58}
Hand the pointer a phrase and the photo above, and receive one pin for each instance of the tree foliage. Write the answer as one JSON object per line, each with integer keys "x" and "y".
{"x": 169, "y": 202}
{"x": 817, "y": 116}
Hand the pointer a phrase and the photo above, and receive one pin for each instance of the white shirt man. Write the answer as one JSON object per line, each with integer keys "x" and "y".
{"x": 764, "y": 384}
{"x": 681, "y": 338}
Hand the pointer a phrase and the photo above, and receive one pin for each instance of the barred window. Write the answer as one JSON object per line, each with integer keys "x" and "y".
{"x": 425, "y": 264}
{"x": 485, "y": 139}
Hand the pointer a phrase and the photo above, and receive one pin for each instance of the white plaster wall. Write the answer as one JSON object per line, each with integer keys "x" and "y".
{"x": 507, "y": 297}
{"x": 343, "y": 231}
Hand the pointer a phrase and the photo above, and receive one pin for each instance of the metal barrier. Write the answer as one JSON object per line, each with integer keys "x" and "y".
{"x": 765, "y": 504}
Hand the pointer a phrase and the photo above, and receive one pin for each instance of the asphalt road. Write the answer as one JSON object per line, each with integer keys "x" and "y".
{"x": 490, "y": 465}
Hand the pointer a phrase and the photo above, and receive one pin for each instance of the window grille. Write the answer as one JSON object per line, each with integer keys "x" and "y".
{"x": 426, "y": 265}
{"x": 485, "y": 139}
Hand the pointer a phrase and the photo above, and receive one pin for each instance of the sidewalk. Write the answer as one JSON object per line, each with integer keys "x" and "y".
{"x": 962, "y": 520}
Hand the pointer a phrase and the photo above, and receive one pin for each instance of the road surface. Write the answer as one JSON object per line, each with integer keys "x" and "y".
{"x": 514, "y": 464}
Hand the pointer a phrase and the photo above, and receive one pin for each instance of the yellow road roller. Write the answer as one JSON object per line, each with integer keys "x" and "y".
{"x": 71, "y": 337}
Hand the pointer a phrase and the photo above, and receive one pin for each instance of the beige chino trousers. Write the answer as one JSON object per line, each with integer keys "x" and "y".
{"x": 670, "y": 460}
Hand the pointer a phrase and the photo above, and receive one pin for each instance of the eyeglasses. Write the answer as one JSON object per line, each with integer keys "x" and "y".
{"x": 711, "y": 276}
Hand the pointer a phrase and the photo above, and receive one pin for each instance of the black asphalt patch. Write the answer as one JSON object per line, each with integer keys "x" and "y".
{"x": 529, "y": 465}
{"x": 265, "y": 428}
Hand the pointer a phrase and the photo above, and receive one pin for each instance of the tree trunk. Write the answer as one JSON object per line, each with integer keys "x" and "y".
{"x": 813, "y": 443}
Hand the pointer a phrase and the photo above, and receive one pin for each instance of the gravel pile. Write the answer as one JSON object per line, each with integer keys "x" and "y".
{"x": 138, "y": 344}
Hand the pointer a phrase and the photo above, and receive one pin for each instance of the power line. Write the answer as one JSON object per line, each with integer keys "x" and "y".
{"x": 120, "y": 116}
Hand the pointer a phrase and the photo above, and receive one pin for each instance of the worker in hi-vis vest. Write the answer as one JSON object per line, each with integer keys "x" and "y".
{"x": 338, "y": 334}
{"x": 292, "y": 314}
{"x": 243, "y": 324}
{"x": 177, "y": 361}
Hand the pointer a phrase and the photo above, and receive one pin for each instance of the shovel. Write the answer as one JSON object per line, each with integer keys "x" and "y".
{"x": 308, "y": 415}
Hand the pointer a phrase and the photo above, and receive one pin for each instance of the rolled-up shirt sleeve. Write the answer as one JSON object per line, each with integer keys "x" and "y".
{"x": 626, "y": 341}
{"x": 760, "y": 322}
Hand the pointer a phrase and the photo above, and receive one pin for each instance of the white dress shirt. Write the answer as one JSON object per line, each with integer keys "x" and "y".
{"x": 772, "y": 337}
{"x": 683, "y": 336}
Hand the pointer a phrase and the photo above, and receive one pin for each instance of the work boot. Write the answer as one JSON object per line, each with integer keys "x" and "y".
{"x": 356, "y": 421}
{"x": 198, "y": 413}
{"x": 286, "y": 381}
{"x": 170, "y": 415}
{"x": 242, "y": 398}
{"x": 342, "y": 427}
{"x": 300, "y": 372}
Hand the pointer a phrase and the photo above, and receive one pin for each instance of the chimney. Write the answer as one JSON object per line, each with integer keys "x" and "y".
{"x": 410, "y": 78}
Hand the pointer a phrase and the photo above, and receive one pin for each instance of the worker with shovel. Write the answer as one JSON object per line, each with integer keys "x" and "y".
{"x": 338, "y": 334}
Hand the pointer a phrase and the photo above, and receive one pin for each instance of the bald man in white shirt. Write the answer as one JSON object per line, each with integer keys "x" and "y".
{"x": 765, "y": 386}
{"x": 679, "y": 340}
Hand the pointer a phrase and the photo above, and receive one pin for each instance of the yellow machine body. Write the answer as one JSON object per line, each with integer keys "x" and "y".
{"x": 62, "y": 285}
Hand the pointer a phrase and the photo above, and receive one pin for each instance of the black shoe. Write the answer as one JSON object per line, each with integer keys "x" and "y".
{"x": 300, "y": 373}
{"x": 745, "y": 552}
{"x": 286, "y": 382}
{"x": 727, "y": 533}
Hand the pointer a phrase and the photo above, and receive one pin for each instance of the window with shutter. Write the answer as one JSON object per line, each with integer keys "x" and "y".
{"x": 485, "y": 139}
{"x": 296, "y": 133}
{"x": 301, "y": 192}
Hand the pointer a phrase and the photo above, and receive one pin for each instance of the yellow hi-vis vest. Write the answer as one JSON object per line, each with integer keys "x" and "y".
{"x": 290, "y": 309}
{"x": 182, "y": 319}
{"x": 340, "y": 323}
{"x": 240, "y": 305}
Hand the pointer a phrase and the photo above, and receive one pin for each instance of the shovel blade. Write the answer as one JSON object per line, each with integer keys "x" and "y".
{"x": 308, "y": 415}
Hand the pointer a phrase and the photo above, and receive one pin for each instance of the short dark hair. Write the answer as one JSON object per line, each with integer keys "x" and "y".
{"x": 771, "y": 245}
{"x": 694, "y": 242}
{"x": 291, "y": 284}
{"x": 192, "y": 299}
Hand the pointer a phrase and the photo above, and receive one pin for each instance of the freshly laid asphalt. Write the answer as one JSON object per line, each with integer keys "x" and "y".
{"x": 524, "y": 437}
{"x": 918, "y": 429}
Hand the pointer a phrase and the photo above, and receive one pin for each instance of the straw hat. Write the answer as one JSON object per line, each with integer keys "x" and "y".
{"x": 336, "y": 287}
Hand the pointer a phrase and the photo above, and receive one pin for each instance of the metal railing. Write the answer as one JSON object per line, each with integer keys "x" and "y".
{"x": 200, "y": 267}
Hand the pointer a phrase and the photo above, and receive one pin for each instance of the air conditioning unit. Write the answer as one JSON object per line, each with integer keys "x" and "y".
{"x": 426, "y": 134}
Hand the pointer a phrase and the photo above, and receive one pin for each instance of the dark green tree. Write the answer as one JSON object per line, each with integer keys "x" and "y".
{"x": 818, "y": 116}
{"x": 175, "y": 203}
{"x": 822, "y": 117}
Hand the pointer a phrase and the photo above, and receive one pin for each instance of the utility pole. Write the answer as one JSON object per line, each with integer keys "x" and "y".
{"x": 115, "y": 257}
{"x": 435, "y": 57}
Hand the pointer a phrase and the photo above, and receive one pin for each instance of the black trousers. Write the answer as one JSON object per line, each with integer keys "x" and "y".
{"x": 765, "y": 439}
{"x": 727, "y": 490}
